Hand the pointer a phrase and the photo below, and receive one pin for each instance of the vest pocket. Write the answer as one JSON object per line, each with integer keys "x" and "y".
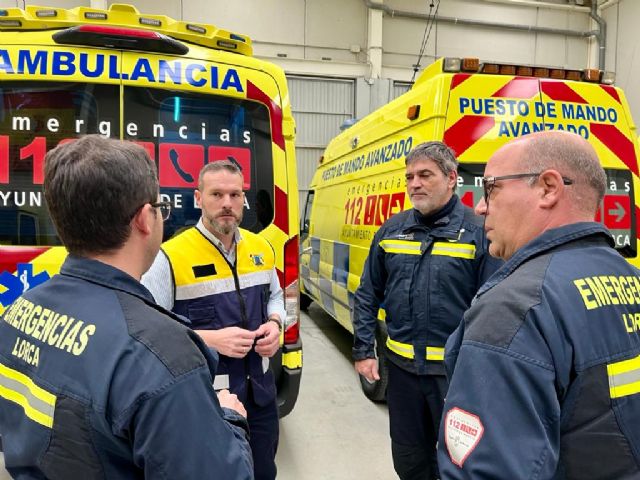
{"x": 203, "y": 316}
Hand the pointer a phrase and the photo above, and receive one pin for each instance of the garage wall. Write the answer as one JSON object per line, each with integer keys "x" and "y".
{"x": 320, "y": 106}
{"x": 623, "y": 48}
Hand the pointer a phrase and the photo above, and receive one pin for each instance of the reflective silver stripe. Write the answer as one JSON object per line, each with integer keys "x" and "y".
{"x": 401, "y": 246}
{"x": 38, "y": 404}
{"x": 406, "y": 350}
{"x": 460, "y": 250}
{"x": 402, "y": 349}
{"x": 624, "y": 377}
{"x": 221, "y": 382}
{"x": 435, "y": 353}
{"x": 265, "y": 364}
{"x": 222, "y": 285}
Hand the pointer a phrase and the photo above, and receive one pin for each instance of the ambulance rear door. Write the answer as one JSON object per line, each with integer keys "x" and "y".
{"x": 487, "y": 111}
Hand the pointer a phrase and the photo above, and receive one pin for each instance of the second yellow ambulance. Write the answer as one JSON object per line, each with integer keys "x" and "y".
{"x": 475, "y": 108}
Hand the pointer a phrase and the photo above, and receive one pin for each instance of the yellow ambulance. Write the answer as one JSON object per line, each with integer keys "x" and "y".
{"x": 475, "y": 108}
{"x": 189, "y": 93}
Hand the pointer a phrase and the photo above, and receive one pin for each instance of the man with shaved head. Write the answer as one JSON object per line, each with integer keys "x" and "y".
{"x": 545, "y": 367}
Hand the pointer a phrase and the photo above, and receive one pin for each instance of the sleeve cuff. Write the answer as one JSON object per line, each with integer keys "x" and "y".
{"x": 234, "y": 418}
{"x": 361, "y": 354}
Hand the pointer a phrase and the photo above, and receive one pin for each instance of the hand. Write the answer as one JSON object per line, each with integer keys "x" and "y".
{"x": 368, "y": 368}
{"x": 233, "y": 342}
{"x": 268, "y": 339}
{"x": 230, "y": 400}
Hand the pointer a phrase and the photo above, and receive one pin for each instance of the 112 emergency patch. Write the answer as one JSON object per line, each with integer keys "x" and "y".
{"x": 462, "y": 433}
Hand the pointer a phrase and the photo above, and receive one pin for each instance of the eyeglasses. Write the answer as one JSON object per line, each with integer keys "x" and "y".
{"x": 165, "y": 209}
{"x": 489, "y": 183}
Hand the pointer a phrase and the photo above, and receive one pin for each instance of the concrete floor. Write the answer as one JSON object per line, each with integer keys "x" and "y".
{"x": 334, "y": 432}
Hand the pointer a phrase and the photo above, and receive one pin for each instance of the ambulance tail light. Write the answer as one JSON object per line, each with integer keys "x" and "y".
{"x": 120, "y": 38}
{"x": 291, "y": 291}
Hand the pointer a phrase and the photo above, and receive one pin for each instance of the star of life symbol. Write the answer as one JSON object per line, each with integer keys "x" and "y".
{"x": 462, "y": 433}
{"x": 18, "y": 283}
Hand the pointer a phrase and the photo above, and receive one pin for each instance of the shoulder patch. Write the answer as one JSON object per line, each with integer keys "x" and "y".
{"x": 462, "y": 433}
{"x": 496, "y": 316}
{"x": 170, "y": 341}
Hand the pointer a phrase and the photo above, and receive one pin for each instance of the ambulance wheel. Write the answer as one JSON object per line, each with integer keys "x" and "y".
{"x": 305, "y": 302}
{"x": 377, "y": 391}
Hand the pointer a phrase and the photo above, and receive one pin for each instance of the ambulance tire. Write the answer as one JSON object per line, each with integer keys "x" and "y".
{"x": 377, "y": 391}
{"x": 305, "y": 302}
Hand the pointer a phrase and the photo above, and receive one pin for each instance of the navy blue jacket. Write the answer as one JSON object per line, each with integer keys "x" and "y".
{"x": 546, "y": 366}
{"x": 424, "y": 273}
{"x": 97, "y": 382}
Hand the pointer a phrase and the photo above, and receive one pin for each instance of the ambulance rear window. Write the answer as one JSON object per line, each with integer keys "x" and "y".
{"x": 34, "y": 118}
{"x": 616, "y": 211}
{"x": 184, "y": 131}
{"x": 180, "y": 131}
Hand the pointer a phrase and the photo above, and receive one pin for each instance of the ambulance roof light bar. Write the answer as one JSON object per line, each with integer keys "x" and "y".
{"x": 121, "y": 38}
{"x": 126, "y": 16}
{"x": 472, "y": 65}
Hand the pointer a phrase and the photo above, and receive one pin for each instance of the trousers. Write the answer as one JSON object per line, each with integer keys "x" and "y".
{"x": 264, "y": 432}
{"x": 415, "y": 410}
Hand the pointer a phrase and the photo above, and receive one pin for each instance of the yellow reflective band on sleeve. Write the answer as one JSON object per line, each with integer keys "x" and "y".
{"x": 292, "y": 360}
{"x": 435, "y": 353}
{"x": 460, "y": 250}
{"x": 405, "y": 247}
{"x": 403, "y": 349}
{"x": 38, "y": 404}
{"x": 624, "y": 377}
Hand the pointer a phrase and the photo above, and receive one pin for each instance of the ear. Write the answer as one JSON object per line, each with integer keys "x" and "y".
{"x": 198, "y": 196}
{"x": 552, "y": 188}
{"x": 452, "y": 179}
{"x": 142, "y": 222}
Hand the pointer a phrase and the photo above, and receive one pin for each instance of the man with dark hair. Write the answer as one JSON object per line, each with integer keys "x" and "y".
{"x": 546, "y": 363}
{"x": 116, "y": 386}
{"x": 423, "y": 268}
{"x": 223, "y": 278}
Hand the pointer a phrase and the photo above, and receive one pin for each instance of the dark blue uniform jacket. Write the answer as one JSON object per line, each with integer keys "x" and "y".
{"x": 97, "y": 382}
{"x": 546, "y": 366}
{"x": 424, "y": 273}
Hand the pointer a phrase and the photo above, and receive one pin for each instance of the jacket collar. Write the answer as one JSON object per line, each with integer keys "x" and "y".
{"x": 548, "y": 241}
{"x": 447, "y": 226}
{"x": 100, "y": 273}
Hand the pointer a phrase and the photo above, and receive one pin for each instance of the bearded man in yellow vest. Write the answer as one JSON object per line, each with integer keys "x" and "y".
{"x": 223, "y": 279}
